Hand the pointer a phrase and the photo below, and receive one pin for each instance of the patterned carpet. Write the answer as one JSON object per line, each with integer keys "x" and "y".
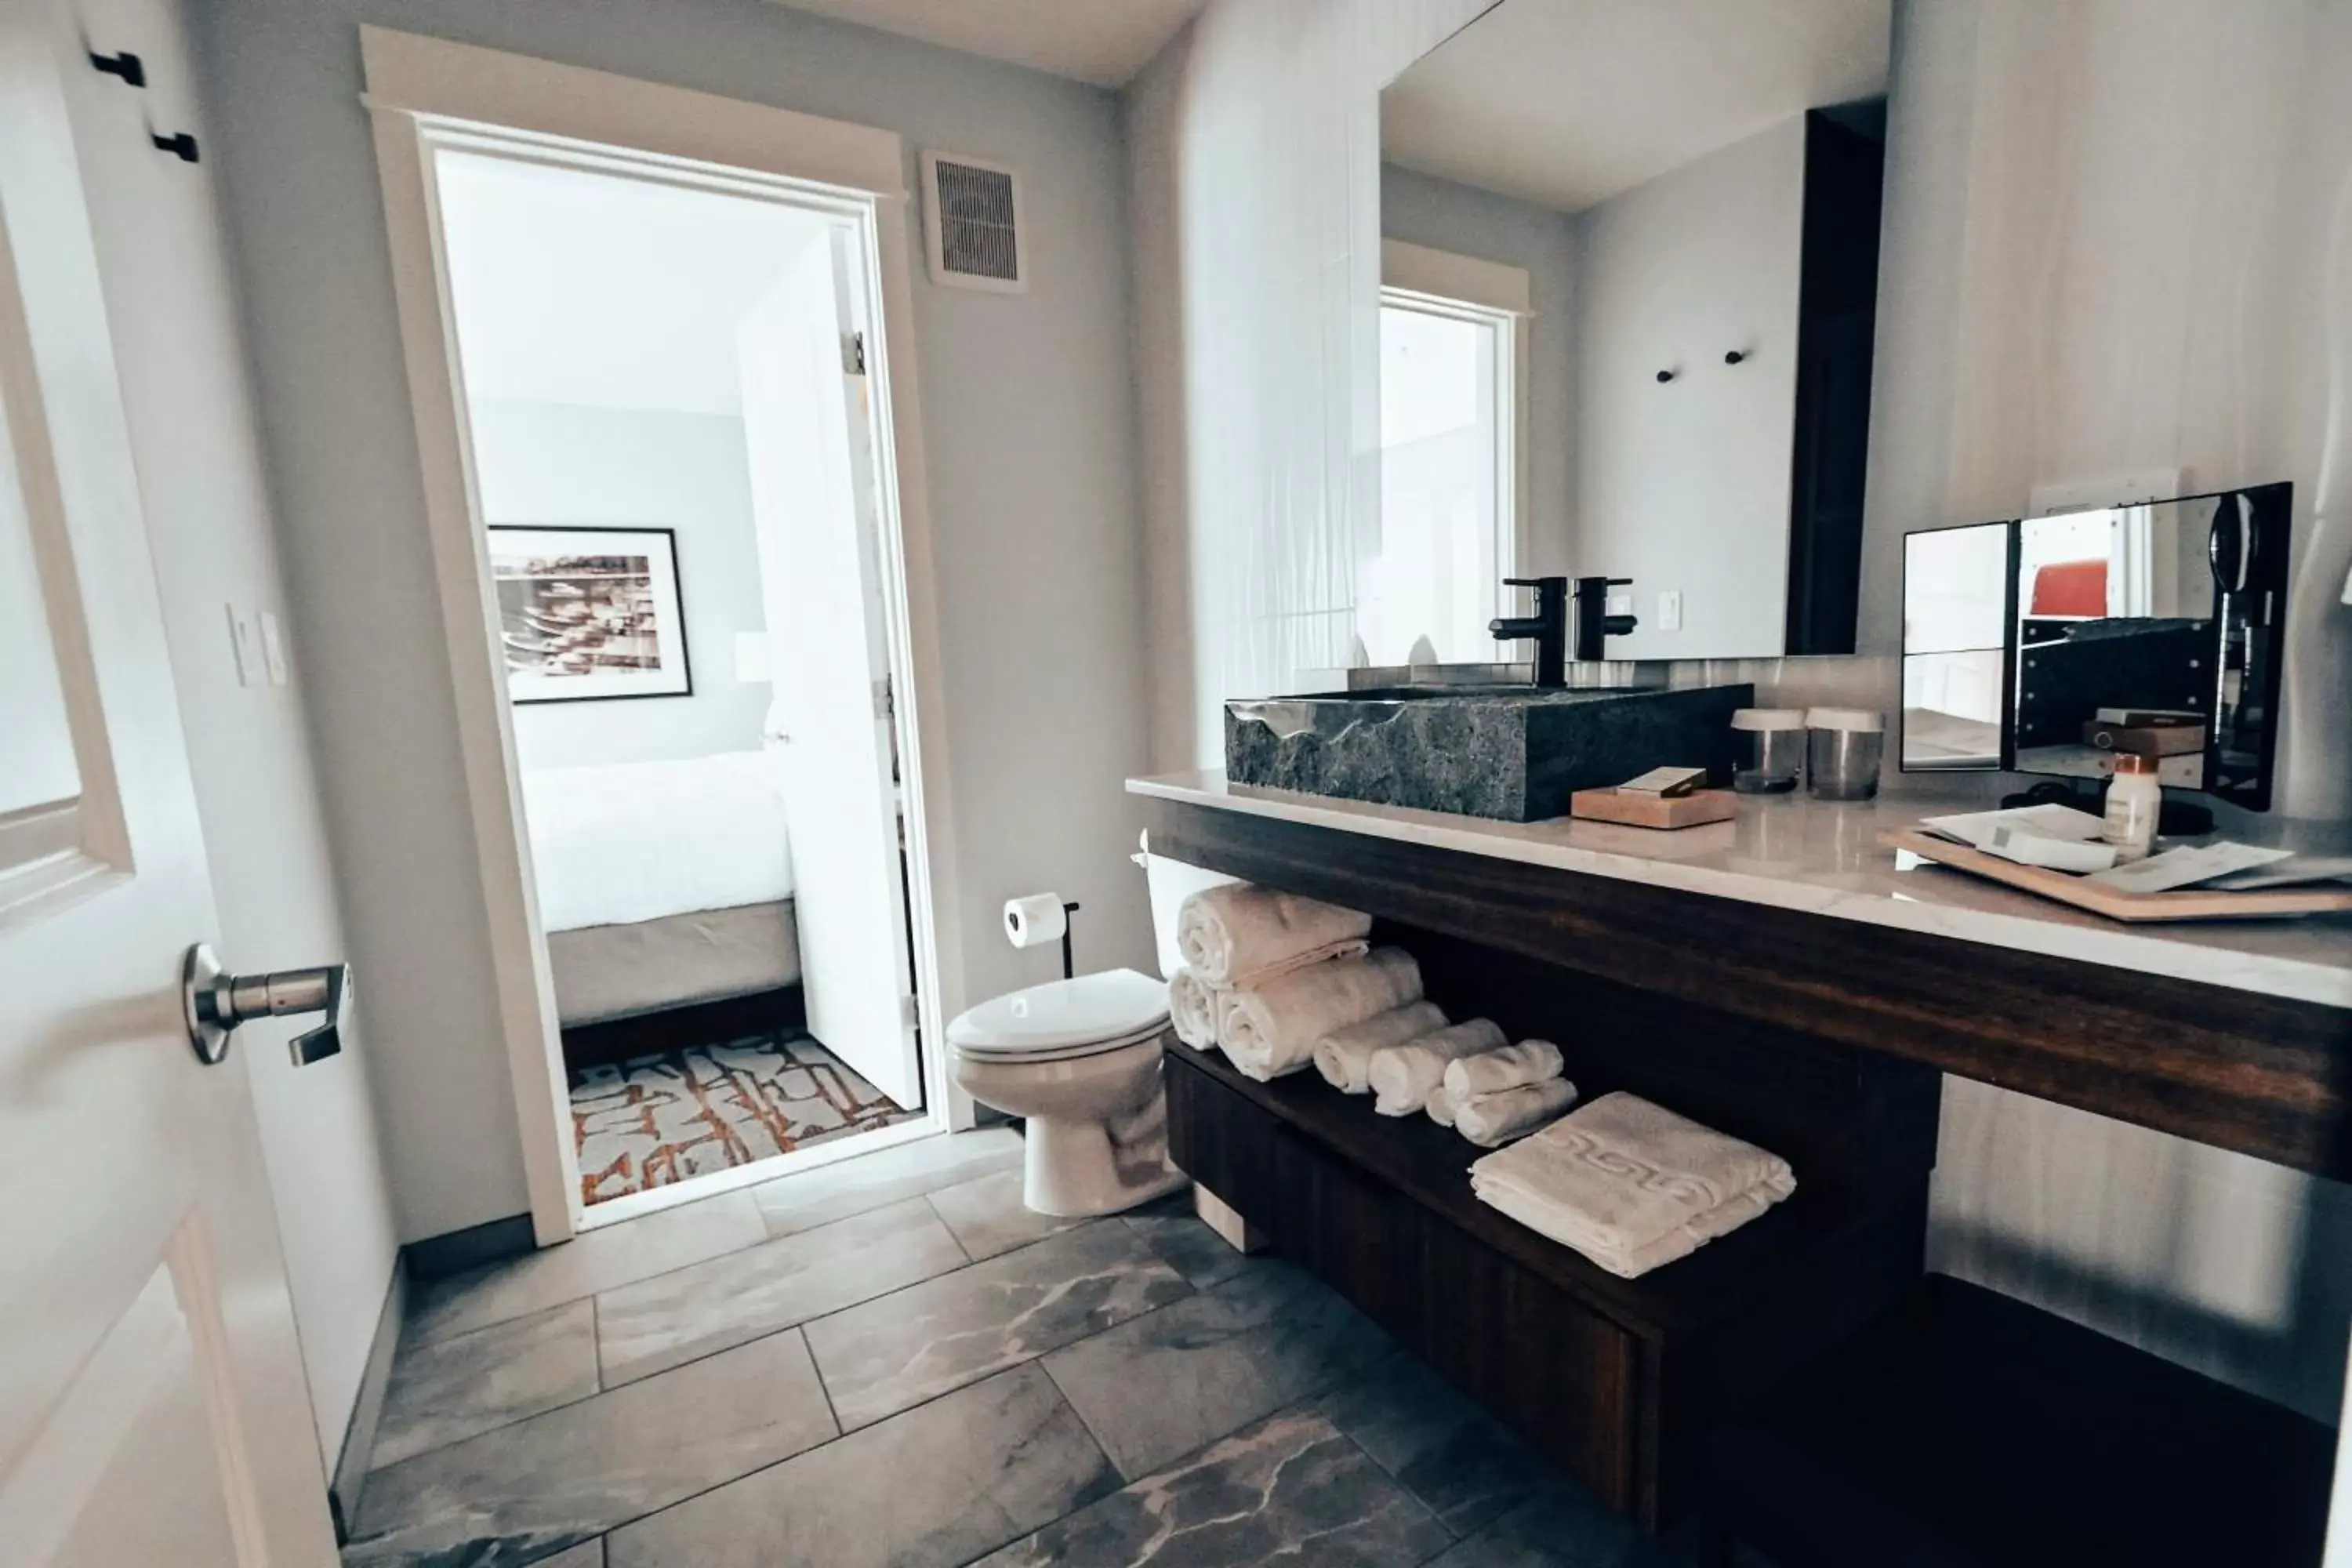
{"x": 655, "y": 1119}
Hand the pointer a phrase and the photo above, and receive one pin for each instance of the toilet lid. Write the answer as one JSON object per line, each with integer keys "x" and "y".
{"x": 1065, "y": 1018}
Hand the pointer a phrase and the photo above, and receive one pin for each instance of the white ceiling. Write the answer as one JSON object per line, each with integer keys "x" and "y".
{"x": 1104, "y": 42}
{"x": 1568, "y": 102}
{"x": 590, "y": 288}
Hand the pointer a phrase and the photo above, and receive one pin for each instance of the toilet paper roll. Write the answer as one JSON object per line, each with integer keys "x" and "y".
{"x": 1034, "y": 921}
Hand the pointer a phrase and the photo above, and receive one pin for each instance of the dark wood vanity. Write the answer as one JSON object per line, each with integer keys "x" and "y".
{"x": 1823, "y": 1038}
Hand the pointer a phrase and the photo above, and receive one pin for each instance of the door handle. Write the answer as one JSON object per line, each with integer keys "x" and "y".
{"x": 215, "y": 1002}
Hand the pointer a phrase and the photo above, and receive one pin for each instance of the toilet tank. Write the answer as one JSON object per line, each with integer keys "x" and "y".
{"x": 1171, "y": 883}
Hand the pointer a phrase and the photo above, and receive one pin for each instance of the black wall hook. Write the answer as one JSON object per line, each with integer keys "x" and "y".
{"x": 183, "y": 145}
{"x": 1735, "y": 356}
{"x": 1664, "y": 376}
{"x": 126, "y": 65}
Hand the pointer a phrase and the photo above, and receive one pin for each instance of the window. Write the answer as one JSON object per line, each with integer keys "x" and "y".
{"x": 1449, "y": 479}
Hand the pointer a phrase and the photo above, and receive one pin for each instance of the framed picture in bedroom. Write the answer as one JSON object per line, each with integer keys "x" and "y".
{"x": 587, "y": 614}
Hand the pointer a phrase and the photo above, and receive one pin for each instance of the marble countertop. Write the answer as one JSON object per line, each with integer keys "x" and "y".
{"x": 1792, "y": 852}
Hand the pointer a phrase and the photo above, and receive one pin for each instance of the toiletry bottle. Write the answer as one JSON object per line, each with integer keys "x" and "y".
{"x": 2133, "y": 801}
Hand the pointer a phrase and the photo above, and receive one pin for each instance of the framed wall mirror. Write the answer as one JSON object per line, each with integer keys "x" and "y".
{"x": 2050, "y": 644}
{"x": 1629, "y": 319}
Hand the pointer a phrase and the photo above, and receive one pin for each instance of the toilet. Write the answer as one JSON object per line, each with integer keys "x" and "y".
{"x": 1080, "y": 1059}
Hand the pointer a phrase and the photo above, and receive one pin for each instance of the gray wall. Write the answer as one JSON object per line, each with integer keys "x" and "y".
{"x": 562, "y": 465}
{"x": 1422, "y": 209}
{"x": 1028, "y": 414}
{"x": 181, "y": 348}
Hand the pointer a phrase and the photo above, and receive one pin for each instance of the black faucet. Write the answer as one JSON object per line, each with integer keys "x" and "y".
{"x": 1595, "y": 624}
{"x": 1547, "y": 627}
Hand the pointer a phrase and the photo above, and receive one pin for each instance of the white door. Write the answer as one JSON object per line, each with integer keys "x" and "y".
{"x": 806, "y": 424}
{"x": 152, "y": 1408}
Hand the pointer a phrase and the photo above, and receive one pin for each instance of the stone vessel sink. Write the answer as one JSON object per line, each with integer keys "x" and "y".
{"x": 1515, "y": 753}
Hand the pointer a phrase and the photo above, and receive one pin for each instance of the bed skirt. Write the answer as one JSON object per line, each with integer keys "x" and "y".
{"x": 603, "y": 973}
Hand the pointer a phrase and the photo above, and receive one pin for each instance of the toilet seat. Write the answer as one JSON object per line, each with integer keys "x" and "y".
{"x": 1063, "y": 1019}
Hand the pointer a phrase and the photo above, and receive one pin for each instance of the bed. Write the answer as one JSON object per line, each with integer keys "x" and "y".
{"x": 662, "y": 884}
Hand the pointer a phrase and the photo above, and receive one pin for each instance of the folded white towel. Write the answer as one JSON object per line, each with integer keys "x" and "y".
{"x": 1491, "y": 1072}
{"x": 1631, "y": 1184}
{"x": 1403, "y": 1076}
{"x": 1236, "y": 933}
{"x": 1194, "y": 1006}
{"x": 1344, "y": 1056}
{"x": 1271, "y": 1027}
{"x": 1492, "y": 1121}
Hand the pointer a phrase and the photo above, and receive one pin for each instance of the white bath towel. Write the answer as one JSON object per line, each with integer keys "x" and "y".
{"x": 1491, "y": 1120}
{"x": 1508, "y": 1066}
{"x": 1344, "y": 1056}
{"x": 1440, "y": 1106}
{"x": 1237, "y": 933}
{"x": 1403, "y": 1076}
{"x": 1271, "y": 1026}
{"x": 1631, "y": 1184}
{"x": 1194, "y": 1006}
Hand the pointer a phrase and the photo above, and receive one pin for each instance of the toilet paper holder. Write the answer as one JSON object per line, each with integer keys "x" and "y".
{"x": 1037, "y": 918}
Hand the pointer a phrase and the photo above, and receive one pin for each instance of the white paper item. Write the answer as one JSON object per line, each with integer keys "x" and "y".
{"x": 1976, "y": 829}
{"x": 2186, "y": 866}
{"x": 2300, "y": 871}
{"x": 2029, "y": 848}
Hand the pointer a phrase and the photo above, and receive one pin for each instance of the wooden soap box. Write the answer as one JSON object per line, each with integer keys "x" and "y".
{"x": 1635, "y": 808}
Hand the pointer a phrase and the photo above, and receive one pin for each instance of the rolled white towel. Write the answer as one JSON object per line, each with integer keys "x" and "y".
{"x": 1237, "y": 934}
{"x": 1344, "y": 1056}
{"x": 1403, "y": 1076}
{"x": 1194, "y": 1006}
{"x": 1491, "y": 1120}
{"x": 1271, "y": 1027}
{"x": 1491, "y": 1072}
{"x": 1440, "y": 1106}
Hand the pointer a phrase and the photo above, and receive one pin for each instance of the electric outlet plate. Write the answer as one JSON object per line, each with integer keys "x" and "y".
{"x": 1670, "y": 610}
{"x": 244, "y": 647}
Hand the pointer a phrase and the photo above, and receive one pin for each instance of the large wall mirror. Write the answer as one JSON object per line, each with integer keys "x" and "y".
{"x": 2047, "y": 646}
{"x": 1628, "y": 321}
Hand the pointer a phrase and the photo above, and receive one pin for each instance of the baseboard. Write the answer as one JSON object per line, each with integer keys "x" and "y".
{"x": 492, "y": 1241}
{"x": 350, "y": 1477}
{"x": 674, "y": 1028}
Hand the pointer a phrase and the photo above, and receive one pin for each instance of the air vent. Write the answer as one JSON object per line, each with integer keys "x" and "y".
{"x": 971, "y": 210}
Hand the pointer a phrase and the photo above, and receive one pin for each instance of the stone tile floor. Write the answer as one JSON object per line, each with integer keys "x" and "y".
{"x": 889, "y": 1361}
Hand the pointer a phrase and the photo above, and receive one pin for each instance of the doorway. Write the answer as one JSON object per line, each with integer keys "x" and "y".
{"x": 670, "y": 398}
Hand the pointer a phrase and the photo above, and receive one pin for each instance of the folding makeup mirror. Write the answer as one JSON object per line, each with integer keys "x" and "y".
{"x": 2049, "y": 644}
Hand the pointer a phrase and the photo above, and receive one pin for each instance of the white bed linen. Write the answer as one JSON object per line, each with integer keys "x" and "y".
{"x": 619, "y": 843}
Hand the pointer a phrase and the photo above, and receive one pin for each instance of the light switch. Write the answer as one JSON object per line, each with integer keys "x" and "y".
{"x": 273, "y": 649}
{"x": 243, "y": 646}
{"x": 1670, "y": 610}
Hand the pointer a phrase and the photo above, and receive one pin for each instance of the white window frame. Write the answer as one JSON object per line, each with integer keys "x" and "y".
{"x": 426, "y": 93}
{"x": 1467, "y": 289}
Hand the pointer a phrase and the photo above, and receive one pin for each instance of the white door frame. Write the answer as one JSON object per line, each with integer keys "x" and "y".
{"x": 426, "y": 93}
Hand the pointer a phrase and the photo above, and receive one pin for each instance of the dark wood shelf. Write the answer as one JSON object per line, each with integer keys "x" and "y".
{"x": 1430, "y": 1164}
